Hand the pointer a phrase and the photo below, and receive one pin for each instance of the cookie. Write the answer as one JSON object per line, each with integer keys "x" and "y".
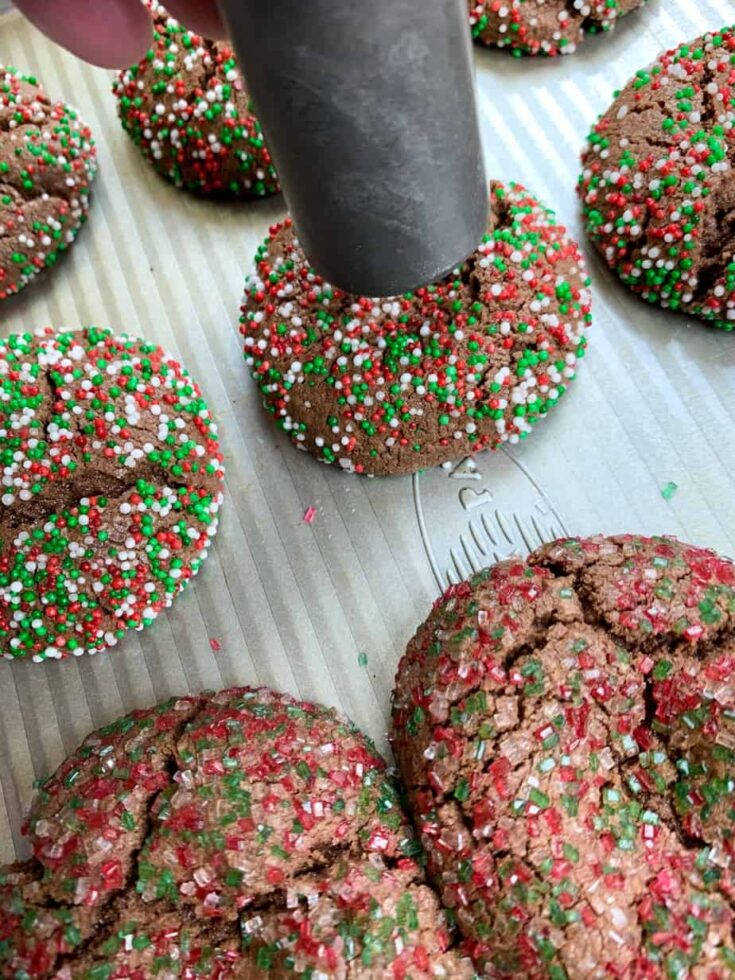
{"x": 548, "y": 27}
{"x": 186, "y": 108}
{"x": 238, "y": 834}
{"x": 47, "y": 165}
{"x": 656, "y": 186}
{"x": 390, "y": 386}
{"x": 565, "y": 727}
{"x": 111, "y": 485}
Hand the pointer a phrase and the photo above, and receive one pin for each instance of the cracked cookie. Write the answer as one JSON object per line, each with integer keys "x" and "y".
{"x": 657, "y": 188}
{"x": 47, "y": 165}
{"x": 186, "y": 108}
{"x": 565, "y": 730}
{"x": 548, "y": 27}
{"x": 389, "y": 386}
{"x": 240, "y": 834}
{"x": 111, "y": 486}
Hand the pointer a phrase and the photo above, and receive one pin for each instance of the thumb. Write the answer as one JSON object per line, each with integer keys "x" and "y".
{"x": 112, "y": 34}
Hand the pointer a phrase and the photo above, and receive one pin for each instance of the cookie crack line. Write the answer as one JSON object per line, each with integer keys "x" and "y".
{"x": 18, "y": 179}
{"x": 23, "y": 195}
{"x": 151, "y": 471}
{"x": 689, "y": 841}
{"x": 108, "y": 918}
{"x": 717, "y": 252}
{"x": 324, "y": 859}
{"x": 97, "y": 484}
{"x": 710, "y": 103}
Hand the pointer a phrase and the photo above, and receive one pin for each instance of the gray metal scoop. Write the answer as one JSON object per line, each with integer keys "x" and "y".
{"x": 368, "y": 108}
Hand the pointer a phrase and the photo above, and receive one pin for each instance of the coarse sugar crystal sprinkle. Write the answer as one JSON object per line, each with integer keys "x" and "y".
{"x": 223, "y": 835}
{"x": 565, "y": 728}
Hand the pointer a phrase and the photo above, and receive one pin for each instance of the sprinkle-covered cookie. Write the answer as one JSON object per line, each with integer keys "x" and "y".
{"x": 657, "y": 188}
{"x": 231, "y": 835}
{"x": 47, "y": 165}
{"x": 111, "y": 486}
{"x": 185, "y": 106}
{"x": 548, "y": 27}
{"x": 565, "y": 727}
{"x": 386, "y": 386}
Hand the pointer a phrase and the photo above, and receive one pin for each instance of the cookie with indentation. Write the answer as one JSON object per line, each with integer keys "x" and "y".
{"x": 565, "y": 727}
{"x": 241, "y": 834}
{"x": 657, "y": 188}
{"x": 47, "y": 165}
{"x": 390, "y": 386}
{"x": 549, "y": 27}
{"x": 110, "y": 490}
{"x": 185, "y": 106}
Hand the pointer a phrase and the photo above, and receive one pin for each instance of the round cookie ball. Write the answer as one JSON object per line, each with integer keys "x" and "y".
{"x": 47, "y": 165}
{"x": 657, "y": 189}
{"x": 548, "y": 27}
{"x": 111, "y": 485}
{"x": 185, "y": 106}
{"x": 236, "y": 834}
{"x": 565, "y": 727}
{"x": 390, "y": 386}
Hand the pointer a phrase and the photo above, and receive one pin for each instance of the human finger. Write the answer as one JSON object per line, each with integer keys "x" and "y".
{"x": 110, "y": 34}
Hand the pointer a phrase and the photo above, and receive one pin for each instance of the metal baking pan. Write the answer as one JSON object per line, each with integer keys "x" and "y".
{"x": 324, "y": 609}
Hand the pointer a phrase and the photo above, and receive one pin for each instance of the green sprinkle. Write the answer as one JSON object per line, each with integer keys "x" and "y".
{"x": 669, "y": 489}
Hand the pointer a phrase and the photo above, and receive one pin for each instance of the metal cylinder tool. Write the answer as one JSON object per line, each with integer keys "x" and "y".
{"x": 368, "y": 108}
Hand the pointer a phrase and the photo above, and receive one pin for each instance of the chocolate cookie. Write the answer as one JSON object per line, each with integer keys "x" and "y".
{"x": 47, "y": 165}
{"x": 240, "y": 834}
{"x": 543, "y": 26}
{"x": 657, "y": 189}
{"x": 566, "y": 730}
{"x": 111, "y": 485}
{"x": 387, "y": 386}
{"x": 185, "y": 106}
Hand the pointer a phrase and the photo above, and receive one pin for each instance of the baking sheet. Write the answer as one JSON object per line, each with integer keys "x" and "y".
{"x": 291, "y": 604}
